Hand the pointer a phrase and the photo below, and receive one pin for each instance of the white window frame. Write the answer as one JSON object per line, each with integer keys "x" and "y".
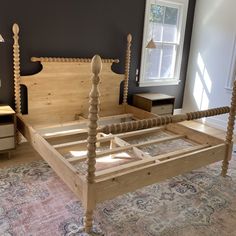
{"x": 183, "y": 9}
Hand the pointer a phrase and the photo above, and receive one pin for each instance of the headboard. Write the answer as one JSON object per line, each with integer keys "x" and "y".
{"x": 60, "y": 91}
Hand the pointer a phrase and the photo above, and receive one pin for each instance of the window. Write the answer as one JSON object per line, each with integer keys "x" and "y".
{"x": 165, "y": 22}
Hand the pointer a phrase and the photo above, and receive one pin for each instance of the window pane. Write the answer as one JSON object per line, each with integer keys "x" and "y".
{"x": 156, "y": 22}
{"x": 157, "y": 31}
{"x": 170, "y": 25}
{"x": 168, "y": 61}
{"x": 171, "y": 16}
{"x": 152, "y": 64}
{"x": 157, "y": 13}
{"x": 170, "y": 33}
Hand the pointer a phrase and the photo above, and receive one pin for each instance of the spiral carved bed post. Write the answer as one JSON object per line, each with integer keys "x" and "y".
{"x": 16, "y": 59}
{"x": 127, "y": 68}
{"x": 161, "y": 120}
{"x": 230, "y": 132}
{"x": 92, "y": 139}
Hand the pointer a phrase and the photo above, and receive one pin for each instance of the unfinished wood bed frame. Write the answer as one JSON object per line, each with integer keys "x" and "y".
{"x": 101, "y": 158}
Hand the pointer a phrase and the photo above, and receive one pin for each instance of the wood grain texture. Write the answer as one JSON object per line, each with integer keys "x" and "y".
{"x": 60, "y": 92}
{"x": 120, "y": 183}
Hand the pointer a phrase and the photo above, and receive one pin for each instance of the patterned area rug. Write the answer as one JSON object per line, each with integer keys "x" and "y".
{"x": 34, "y": 202}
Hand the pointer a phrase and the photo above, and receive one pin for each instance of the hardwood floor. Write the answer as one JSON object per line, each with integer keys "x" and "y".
{"x": 25, "y": 153}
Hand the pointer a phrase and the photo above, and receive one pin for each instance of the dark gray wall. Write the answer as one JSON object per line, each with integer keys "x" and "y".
{"x": 76, "y": 28}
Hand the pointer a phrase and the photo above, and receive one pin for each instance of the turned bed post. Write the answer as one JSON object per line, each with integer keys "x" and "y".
{"x": 161, "y": 120}
{"x": 229, "y": 133}
{"x": 92, "y": 139}
{"x": 16, "y": 65}
{"x": 127, "y": 68}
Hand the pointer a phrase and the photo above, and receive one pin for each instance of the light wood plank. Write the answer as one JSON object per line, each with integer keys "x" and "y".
{"x": 193, "y": 135}
{"x": 121, "y": 183}
{"x": 106, "y": 138}
{"x": 124, "y": 148}
{"x": 64, "y": 100}
{"x": 77, "y": 127}
{"x": 146, "y": 161}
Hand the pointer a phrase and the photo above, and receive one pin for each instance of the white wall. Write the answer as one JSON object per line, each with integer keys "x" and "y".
{"x": 214, "y": 34}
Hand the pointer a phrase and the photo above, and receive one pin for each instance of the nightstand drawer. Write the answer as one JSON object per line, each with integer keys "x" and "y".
{"x": 7, "y": 143}
{"x": 7, "y": 130}
{"x": 163, "y": 109}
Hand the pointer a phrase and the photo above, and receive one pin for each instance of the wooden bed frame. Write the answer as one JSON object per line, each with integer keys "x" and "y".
{"x": 115, "y": 154}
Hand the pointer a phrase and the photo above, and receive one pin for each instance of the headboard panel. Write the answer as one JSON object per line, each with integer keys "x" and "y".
{"x": 60, "y": 91}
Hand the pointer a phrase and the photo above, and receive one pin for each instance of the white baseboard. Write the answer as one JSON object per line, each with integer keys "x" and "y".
{"x": 215, "y": 123}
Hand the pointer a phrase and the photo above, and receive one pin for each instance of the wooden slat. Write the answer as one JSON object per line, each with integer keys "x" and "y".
{"x": 64, "y": 133}
{"x": 63, "y": 145}
{"x": 139, "y": 132}
{"x": 180, "y": 152}
{"x": 124, "y": 148}
{"x": 78, "y": 127}
{"x": 110, "y": 136}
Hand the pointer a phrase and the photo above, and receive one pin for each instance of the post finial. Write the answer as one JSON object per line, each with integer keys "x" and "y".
{"x": 15, "y": 29}
{"x": 96, "y": 64}
{"x": 129, "y": 38}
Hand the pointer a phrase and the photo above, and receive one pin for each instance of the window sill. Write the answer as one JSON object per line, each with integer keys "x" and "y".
{"x": 158, "y": 83}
